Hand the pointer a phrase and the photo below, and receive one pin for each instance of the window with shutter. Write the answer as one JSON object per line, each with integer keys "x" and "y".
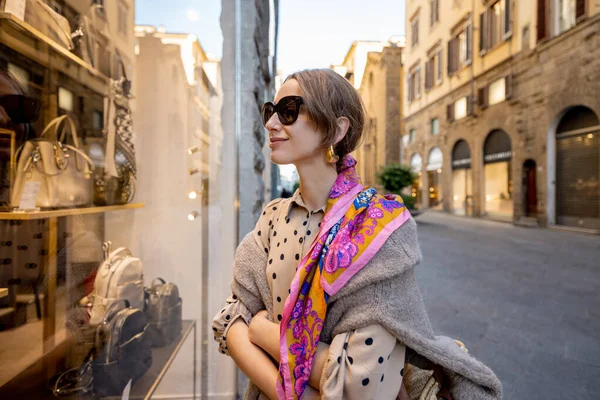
{"x": 506, "y": 20}
{"x": 541, "y": 20}
{"x": 508, "y": 86}
{"x": 439, "y": 66}
{"x": 580, "y": 9}
{"x": 469, "y": 44}
{"x": 482, "y": 32}
{"x": 482, "y": 100}
{"x": 450, "y": 112}
{"x": 470, "y": 104}
{"x": 418, "y": 82}
{"x": 450, "y": 56}
{"x": 428, "y": 74}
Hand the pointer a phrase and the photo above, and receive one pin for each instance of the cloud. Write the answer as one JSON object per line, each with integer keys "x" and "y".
{"x": 192, "y": 15}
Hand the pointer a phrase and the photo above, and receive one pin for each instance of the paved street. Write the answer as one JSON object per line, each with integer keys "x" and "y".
{"x": 525, "y": 301}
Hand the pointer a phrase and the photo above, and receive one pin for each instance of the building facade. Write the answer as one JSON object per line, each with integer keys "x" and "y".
{"x": 501, "y": 110}
{"x": 376, "y": 69}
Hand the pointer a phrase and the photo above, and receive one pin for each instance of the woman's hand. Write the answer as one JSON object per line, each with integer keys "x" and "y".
{"x": 264, "y": 334}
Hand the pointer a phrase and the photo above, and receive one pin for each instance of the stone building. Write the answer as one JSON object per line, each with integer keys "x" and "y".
{"x": 501, "y": 111}
{"x": 375, "y": 69}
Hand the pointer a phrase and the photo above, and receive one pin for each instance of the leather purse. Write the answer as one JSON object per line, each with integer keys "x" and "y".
{"x": 163, "y": 310}
{"x": 63, "y": 171}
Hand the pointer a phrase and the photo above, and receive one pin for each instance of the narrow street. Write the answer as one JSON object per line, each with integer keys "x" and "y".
{"x": 525, "y": 301}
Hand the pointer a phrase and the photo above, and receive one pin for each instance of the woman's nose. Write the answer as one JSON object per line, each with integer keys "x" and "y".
{"x": 273, "y": 123}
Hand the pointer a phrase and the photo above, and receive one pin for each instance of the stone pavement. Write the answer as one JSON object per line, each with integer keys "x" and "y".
{"x": 525, "y": 301}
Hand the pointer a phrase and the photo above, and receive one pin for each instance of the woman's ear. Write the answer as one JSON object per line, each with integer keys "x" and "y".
{"x": 343, "y": 124}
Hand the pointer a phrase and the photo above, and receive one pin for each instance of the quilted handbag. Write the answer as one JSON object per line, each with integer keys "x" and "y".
{"x": 63, "y": 171}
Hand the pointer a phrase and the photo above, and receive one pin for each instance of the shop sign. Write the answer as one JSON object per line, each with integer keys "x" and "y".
{"x": 503, "y": 156}
{"x": 464, "y": 163}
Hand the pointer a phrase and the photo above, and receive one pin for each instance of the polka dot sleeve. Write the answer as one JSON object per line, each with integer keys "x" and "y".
{"x": 367, "y": 363}
{"x": 265, "y": 223}
{"x": 225, "y": 318}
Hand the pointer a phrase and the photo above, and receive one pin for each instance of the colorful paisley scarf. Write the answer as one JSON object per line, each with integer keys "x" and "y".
{"x": 356, "y": 224}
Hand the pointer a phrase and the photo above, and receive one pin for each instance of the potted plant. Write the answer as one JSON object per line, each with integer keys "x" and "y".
{"x": 395, "y": 178}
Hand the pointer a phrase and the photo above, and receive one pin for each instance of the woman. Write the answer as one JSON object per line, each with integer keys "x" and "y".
{"x": 324, "y": 301}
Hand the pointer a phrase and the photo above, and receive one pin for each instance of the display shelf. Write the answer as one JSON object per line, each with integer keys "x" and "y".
{"x": 143, "y": 388}
{"x": 65, "y": 212}
{"x": 11, "y": 21}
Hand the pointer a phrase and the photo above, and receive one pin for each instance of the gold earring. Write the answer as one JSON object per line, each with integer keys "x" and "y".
{"x": 331, "y": 156}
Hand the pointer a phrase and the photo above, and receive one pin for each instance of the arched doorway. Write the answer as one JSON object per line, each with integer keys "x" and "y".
{"x": 497, "y": 155}
{"x": 462, "y": 181}
{"x": 529, "y": 189}
{"x": 578, "y": 169}
{"x": 434, "y": 177}
{"x": 416, "y": 164}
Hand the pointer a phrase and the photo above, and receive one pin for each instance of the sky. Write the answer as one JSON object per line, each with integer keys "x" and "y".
{"x": 312, "y": 33}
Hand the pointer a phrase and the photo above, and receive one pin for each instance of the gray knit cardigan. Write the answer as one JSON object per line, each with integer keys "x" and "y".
{"x": 384, "y": 292}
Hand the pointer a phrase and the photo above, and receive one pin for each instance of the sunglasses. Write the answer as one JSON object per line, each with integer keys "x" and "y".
{"x": 21, "y": 109}
{"x": 287, "y": 110}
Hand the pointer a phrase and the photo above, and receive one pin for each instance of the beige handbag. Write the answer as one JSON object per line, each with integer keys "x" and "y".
{"x": 64, "y": 171}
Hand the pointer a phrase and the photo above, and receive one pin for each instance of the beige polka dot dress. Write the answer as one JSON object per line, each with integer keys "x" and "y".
{"x": 367, "y": 363}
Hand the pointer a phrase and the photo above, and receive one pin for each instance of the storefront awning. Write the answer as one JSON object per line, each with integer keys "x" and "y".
{"x": 497, "y": 147}
{"x": 416, "y": 162}
{"x": 461, "y": 155}
{"x": 435, "y": 160}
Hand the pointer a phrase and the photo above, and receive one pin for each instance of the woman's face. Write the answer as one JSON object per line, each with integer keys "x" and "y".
{"x": 298, "y": 143}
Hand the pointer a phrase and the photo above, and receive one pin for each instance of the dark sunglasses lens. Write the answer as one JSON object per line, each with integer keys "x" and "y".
{"x": 288, "y": 111}
{"x": 267, "y": 112}
{"x": 21, "y": 109}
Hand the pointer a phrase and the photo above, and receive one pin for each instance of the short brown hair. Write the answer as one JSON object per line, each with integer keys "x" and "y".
{"x": 328, "y": 96}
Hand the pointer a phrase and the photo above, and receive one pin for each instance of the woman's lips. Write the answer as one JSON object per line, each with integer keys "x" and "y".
{"x": 273, "y": 142}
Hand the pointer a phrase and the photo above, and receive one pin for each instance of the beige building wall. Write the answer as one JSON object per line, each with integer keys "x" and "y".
{"x": 381, "y": 93}
{"x": 545, "y": 77}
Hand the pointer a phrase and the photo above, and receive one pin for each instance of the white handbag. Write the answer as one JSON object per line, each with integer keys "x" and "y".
{"x": 63, "y": 171}
{"x": 119, "y": 278}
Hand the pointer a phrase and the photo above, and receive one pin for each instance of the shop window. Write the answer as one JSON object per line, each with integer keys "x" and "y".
{"x": 566, "y": 15}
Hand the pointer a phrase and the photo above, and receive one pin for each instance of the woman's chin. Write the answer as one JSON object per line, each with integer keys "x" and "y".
{"x": 279, "y": 158}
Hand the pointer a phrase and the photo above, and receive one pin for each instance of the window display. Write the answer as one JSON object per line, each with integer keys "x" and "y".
{"x": 78, "y": 319}
{"x": 497, "y": 154}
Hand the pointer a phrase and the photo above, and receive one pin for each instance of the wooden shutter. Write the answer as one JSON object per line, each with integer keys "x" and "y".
{"x": 410, "y": 88}
{"x": 450, "y": 112}
{"x": 428, "y": 74}
{"x": 470, "y": 104}
{"x": 580, "y": 9}
{"x": 508, "y": 86}
{"x": 542, "y": 29}
{"x": 452, "y": 56}
{"x": 469, "y": 34}
{"x": 482, "y": 33}
{"x": 482, "y": 97}
{"x": 507, "y": 23}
